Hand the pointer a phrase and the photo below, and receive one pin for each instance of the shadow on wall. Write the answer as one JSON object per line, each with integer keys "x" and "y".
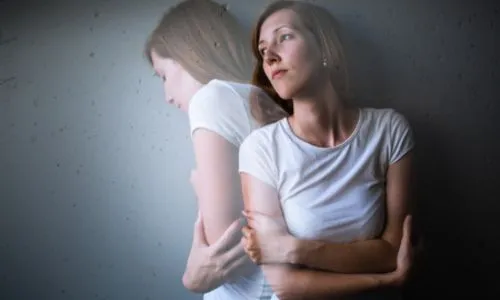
{"x": 448, "y": 101}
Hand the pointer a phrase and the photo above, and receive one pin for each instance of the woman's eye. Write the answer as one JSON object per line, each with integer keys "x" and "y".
{"x": 262, "y": 52}
{"x": 285, "y": 36}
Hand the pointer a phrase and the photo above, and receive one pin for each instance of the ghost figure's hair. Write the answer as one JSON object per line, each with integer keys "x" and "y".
{"x": 205, "y": 39}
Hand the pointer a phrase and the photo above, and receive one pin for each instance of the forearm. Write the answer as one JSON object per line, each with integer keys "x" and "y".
{"x": 207, "y": 278}
{"x": 370, "y": 256}
{"x": 292, "y": 283}
{"x": 201, "y": 281}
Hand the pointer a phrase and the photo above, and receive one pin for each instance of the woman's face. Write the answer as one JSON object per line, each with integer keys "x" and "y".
{"x": 290, "y": 53}
{"x": 179, "y": 86}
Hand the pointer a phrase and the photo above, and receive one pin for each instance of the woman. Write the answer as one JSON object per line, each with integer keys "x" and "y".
{"x": 198, "y": 49}
{"x": 327, "y": 187}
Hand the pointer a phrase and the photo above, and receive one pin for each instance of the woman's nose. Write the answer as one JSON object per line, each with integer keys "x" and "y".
{"x": 271, "y": 56}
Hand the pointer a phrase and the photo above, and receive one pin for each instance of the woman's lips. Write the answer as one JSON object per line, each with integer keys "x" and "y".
{"x": 278, "y": 74}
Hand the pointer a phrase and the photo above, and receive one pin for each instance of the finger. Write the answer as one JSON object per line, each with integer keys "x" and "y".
{"x": 254, "y": 256}
{"x": 228, "y": 237}
{"x": 251, "y": 238}
{"x": 246, "y": 231}
{"x": 236, "y": 265}
{"x": 406, "y": 238}
{"x": 248, "y": 216}
{"x": 233, "y": 254}
{"x": 253, "y": 216}
{"x": 250, "y": 252}
{"x": 248, "y": 245}
{"x": 245, "y": 246}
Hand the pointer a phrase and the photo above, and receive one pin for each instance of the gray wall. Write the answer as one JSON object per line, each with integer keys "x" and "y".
{"x": 94, "y": 166}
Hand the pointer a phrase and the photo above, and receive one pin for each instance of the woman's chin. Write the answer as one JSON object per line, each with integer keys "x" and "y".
{"x": 285, "y": 93}
{"x": 286, "y": 89}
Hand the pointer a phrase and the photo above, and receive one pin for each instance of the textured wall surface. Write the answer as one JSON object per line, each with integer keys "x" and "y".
{"x": 95, "y": 201}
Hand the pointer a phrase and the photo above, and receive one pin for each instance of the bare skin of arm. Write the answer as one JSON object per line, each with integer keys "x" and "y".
{"x": 289, "y": 282}
{"x": 217, "y": 186}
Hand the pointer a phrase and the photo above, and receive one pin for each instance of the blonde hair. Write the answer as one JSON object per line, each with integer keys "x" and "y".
{"x": 205, "y": 39}
{"x": 323, "y": 26}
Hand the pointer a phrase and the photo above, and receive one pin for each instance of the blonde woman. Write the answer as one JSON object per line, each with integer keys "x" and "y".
{"x": 201, "y": 54}
{"x": 327, "y": 187}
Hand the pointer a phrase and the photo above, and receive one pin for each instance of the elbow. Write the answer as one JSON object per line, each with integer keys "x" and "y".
{"x": 190, "y": 284}
{"x": 187, "y": 282}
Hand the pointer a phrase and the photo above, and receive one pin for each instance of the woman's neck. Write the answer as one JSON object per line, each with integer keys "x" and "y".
{"x": 323, "y": 120}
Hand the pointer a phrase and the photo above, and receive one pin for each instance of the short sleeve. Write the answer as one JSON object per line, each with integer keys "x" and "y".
{"x": 218, "y": 108}
{"x": 256, "y": 160}
{"x": 401, "y": 137}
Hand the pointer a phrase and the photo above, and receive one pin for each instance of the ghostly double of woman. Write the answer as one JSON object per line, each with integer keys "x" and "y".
{"x": 315, "y": 172}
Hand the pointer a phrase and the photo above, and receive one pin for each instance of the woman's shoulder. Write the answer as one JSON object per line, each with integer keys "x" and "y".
{"x": 383, "y": 116}
{"x": 214, "y": 89}
{"x": 239, "y": 88}
{"x": 216, "y": 94}
{"x": 265, "y": 137}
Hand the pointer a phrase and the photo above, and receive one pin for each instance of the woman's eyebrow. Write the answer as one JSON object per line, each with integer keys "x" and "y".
{"x": 279, "y": 28}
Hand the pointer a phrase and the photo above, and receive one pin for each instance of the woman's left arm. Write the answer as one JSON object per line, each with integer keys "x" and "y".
{"x": 218, "y": 190}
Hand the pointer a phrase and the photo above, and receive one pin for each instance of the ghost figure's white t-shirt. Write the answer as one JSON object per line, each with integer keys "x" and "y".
{"x": 224, "y": 108}
{"x": 335, "y": 194}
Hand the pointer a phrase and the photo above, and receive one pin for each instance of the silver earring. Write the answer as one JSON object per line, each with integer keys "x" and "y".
{"x": 324, "y": 62}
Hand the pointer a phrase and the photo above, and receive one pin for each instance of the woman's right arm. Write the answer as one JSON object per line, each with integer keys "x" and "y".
{"x": 217, "y": 121}
{"x": 218, "y": 190}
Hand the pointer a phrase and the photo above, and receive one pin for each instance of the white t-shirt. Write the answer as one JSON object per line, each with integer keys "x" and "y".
{"x": 224, "y": 108}
{"x": 335, "y": 194}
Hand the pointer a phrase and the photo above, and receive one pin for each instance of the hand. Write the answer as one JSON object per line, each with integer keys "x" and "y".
{"x": 268, "y": 240}
{"x": 209, "y": 266}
